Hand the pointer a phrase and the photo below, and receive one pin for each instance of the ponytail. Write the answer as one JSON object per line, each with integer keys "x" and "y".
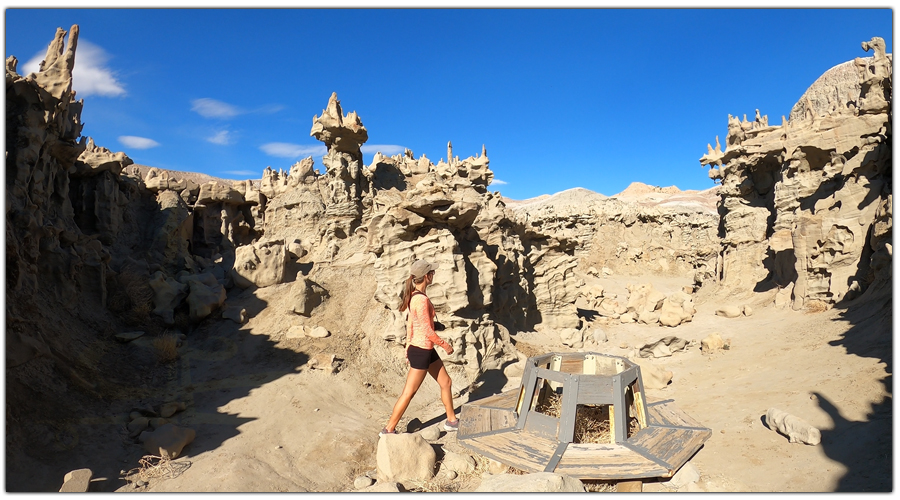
{"x": 408, "y": 288}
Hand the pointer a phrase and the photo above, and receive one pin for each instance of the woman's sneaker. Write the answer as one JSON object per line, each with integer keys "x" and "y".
{"x": 385, "y": 431}
{"x": 451, "y": 426}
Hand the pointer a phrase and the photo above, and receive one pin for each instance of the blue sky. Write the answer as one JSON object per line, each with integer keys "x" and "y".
{"x": 593, "y": 98}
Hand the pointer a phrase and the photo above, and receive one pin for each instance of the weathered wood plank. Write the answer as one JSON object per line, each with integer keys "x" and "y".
{"x": 573, "y": 366}
{"x": 606, "y": 461}
{"x": 595, "y": 391}
{"x": 529, "y": 380}
{"x": 474, "y": 420}
{"x": 666, "y": 413}
{"x": 568, "y": 410}
{"x": 505, "y": 400}
{"x": 636, "y": 486}
{"x": 502, "y": 419}
{"x": 589, "y": 365}
{"x": 612, "y": 424}
{"x": 551, "y": 375}
{"x": 543, "y": 425}
{"x": 639, "y": 406}
{"x": 520, "y": 449}
{"x": 673, "y": 446}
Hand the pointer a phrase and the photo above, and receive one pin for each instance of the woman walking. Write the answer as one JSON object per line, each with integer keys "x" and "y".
{"x": 420, "y": 340}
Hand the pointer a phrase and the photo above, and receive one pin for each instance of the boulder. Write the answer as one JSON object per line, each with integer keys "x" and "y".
{"x": 77, "y": 481}
{"x": 204, "y": 297}
{"x": 404, "y": 457}
{"x": 167, "y": 295}
{"x": 137, "y": 426}
{"x": 235, "y": 313}
{"x": 540, "y": 482}
{"x": 307, "y": 295}
{"x": 430, "y": 433}
{"x": 663, "y": 347}
{"x": 457, "y": 462}
{"x": 261, "y": 264}
{"x": 654, "y": 377}
{"x": 167, "y": 441}
{"x": 322, "y": 361}
{"x": 296, "y": 332}
{"x": 795, "y": 428}
{"x": 169, "y": 409}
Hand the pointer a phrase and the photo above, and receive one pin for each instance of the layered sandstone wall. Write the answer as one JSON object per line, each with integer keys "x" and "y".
{"x": 807, "y": 205}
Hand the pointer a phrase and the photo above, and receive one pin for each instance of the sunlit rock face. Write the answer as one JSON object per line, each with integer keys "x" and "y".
{"x": 808, "y": 203}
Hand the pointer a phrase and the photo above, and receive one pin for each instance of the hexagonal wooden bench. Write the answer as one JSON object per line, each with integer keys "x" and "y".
{"x": 508, "y": 428}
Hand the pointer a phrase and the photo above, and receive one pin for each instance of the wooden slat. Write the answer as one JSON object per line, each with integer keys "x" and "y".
{"x": 474, "y": 420}
{"x": 574, "y": 366}
{"x": 568, "y": 410}
{"x": 666, "y": 413}
{"x": 502, "y": 419}
{"x": 612, "y": 424}
{"x": 639, "y": 406}
{"x": 551, "y": 375}
{"x": 629, "y": 376}
{"x": 673, "y": 446}
{"x": 544, "y": 425}
{"x": 529, "y": 379}
{"x": 595, "y": 390}
{"x": 606, "y": 461}
{"x": 589, "y": 365}
{"x": 520, "y": 449}
{"x": 630, "y": 486}
{"x": 506, "y": 400}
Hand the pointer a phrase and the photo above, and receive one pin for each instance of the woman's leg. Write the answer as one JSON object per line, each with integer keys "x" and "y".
{"x": 413, "y": 380}
{"x": 440, "y": 374}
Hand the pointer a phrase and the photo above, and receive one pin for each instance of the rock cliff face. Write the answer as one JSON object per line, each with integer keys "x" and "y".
{"x": 807, "y": 206}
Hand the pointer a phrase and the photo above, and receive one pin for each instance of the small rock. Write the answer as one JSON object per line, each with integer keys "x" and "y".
{"x": 319, "y": 332}
{"x": 169, "y": 409}
{"x": 236, "y": 314}
{"x": 296, "y": 332}
{"x": 687, "y": 289}
{"x": 729, "y": 311}
{"x": 129, "y": 336}
{"x": 795, "y": 428}
{"x": 135, "y": 414}
{"x": 495, "y": 467}
{"x": 599, "y": 336}
{"x": 540, "y": 482}
{"x": 77, "y": 481}
{"x": 624, "y": 345}
{"x": 458, "y": 462}
{"x": 363, "y": 482}
{"x": 627, "y": 318}
{"x": 431, "y": 433}
{"x": 182, "y": 336}
{"x": 713, "y": 342}
{"x": 748, "y": 311}
{"x": 593, "y": 271}
{"x": 137, "y": 426}
{"x": 451, "y": 475}
{"x": 688, "y": 473}
{"x": 141, "y": 483}
{"x": 606, "y": 271}
{"x": 168, "y": 440}
{"x": 322, "y": 361}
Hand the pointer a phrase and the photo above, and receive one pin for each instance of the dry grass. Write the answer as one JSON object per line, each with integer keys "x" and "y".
{"x": 152, "y": 467}
{"x": 166, "y": 347}
{"x": 591, "y": 422}
{"x": 815, "y": 307}
{"x": 438, "y": 484}
{"x": 130, "y": 295}
{"x": 598, "y": 486}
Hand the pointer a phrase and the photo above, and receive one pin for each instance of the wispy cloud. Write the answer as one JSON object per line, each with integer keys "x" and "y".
{"x": 287, "y": 150}
{"x": 242, "y": 173}
{"x": 386, "y": 149}
{"x": 211, "y": 108}
{"x": 133, "y": 142}
{"x": 498, "y": 182}
{"x": 91, "y": 75}
{"x": 222, "y": 138}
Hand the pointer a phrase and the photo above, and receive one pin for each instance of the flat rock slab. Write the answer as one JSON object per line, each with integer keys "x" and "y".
{"x": 77, "y": 481}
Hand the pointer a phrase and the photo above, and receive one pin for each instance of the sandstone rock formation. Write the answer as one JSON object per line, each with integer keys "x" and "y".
{"x": 803, "y": 201}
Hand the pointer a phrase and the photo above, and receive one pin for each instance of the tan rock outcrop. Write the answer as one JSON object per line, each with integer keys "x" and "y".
{"x": 800, "y": 200}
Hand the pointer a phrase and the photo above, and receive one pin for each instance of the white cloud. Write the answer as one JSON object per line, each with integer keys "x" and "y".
{"x": 90, "y": 76}
{"x": 133, "y": 142}
{"x": 498, "y": 182}
{"x": 287, "y": 150}
{"x": 211, "y": 108}
{"x": 222, "y": 138}
{"x": 242, "y": 173}
{"x": 386, "y": 149}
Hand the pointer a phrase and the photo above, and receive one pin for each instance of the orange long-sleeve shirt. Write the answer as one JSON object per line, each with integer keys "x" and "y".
{"x": 420, "y": 325}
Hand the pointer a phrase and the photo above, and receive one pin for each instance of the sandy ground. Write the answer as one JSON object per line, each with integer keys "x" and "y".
{"x": 267, "y": 422}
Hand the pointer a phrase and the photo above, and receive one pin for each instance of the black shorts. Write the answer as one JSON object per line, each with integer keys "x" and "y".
{"x": 421, "y": 359}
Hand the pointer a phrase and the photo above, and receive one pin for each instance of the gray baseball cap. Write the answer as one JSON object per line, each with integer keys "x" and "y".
{"x": 420, "y": 268}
